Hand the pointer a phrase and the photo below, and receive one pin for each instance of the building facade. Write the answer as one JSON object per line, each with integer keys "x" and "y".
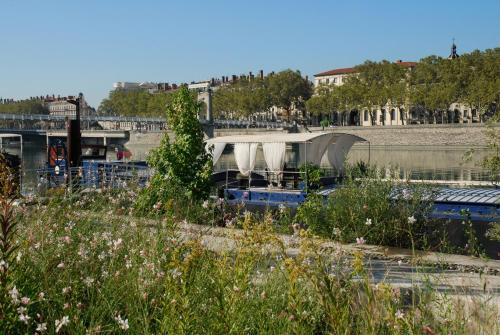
{"x": 393, "y": 114}
{"x": 62, "y": 106}
{"x": 389, "y": 115}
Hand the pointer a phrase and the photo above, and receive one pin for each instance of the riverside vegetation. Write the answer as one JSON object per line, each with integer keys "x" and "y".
{"x": 117, "y": 261}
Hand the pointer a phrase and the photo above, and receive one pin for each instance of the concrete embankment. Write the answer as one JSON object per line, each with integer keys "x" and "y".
{"x": 450, "y": 136}
{"x": 463, "y": 135}
{"x": 441, "y": 135}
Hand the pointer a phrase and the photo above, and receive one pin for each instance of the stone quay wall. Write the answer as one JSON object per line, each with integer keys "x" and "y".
{"x": 463, "y": 135}
{"x": 460, "y": 135}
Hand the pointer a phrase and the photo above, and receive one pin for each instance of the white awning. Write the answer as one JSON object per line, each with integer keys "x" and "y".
{"x": 271, "y": 138}
{"x": 312, "y": 146}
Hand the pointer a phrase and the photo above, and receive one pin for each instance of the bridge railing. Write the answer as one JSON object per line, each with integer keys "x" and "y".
{"x": 137, "y": 122}
{"x": 93, "y": 175}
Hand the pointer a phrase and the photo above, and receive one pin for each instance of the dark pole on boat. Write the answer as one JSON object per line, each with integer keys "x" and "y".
{"x": 74, "y": 137}
{"x": 210, "y": 118}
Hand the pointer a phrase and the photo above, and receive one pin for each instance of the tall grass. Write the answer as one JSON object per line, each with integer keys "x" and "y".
{"x": 86, "y": 266}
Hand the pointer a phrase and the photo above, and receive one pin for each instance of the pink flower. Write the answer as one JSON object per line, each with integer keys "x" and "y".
{"x": 360, "y": 240}
{"x": 25, "y": 300}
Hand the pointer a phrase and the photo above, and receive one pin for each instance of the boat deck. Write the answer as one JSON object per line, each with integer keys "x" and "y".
{"x": 449, "y": 203}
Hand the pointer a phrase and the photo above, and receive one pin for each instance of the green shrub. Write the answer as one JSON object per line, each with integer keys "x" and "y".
{"x": 373, "y": 211}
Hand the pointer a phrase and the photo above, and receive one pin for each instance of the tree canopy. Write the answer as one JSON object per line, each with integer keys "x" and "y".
{"x": 27, "y": 106}
{"x": 183, "y": 168}
{"x": 430, "y": 87}
{"x": 246, "y": 96}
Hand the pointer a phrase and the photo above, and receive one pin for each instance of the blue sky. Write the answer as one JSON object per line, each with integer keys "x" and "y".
{"x": 70, "y": 46}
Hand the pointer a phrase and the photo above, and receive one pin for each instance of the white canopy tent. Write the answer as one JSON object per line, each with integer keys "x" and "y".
{"x": 312, "y": 147}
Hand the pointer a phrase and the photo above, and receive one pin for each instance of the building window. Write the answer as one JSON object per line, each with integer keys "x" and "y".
{"x": 366, "y": 115}
{"x": 334, "y": 80}
{"x": 393, "y": 115}
{"x": 327, "y": 80}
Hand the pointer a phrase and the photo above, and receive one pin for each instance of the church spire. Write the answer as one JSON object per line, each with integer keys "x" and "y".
{"x": 453, "y": 53}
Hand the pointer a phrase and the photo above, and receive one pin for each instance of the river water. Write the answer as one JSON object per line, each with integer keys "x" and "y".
{"x": 414, "y": 162}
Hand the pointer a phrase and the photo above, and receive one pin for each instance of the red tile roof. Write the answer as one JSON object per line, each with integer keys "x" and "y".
{"x": 353, "y": 70}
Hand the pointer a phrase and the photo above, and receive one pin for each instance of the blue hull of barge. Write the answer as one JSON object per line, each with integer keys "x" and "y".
{"x": 483, "y": 204}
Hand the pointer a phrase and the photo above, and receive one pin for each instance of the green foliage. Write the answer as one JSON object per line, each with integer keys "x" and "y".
{"x": 473, "y": 247}
{"x": 429, "y": 88}
{"x": 243, "y": 98}
{"x": 491, "y": 163}
{"x": 289, "y": 90}
{"x": 183, "y": 168}
{"x": 9, "y": 244}
{"x": 28, "y": 106}
{"x": 246, "y": 97}
{"x": 115, "y": 273}
{"x": 312, "y": 174}
{"x": 135, "y": 103}
{"x": 378, "y": 211}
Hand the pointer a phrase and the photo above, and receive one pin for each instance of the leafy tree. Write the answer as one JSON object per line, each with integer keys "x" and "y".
{"x": 27, "y": 106}
{"x": 243, "y": 98}
{"x": 324, "y": 102}
{"x": 183, "y": 168}
{"x": 135, "y": 103}
{"x": 288, "y": 90}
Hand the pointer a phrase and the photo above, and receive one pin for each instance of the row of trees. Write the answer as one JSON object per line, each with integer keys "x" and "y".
{"x": 135, "y": 103}
{"x": 428, "y": 88}
{"x": 247, "y": 96}
{"x": 28, "y": 106}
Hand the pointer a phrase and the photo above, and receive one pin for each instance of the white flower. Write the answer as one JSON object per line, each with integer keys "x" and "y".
{"x": 399, "y": 314}
{"x": 412, "y": 220}
{"x": 175, "y": 273}
{"x": 360, "y": 240}
{"x": 25, "y": 300}
{"x": 18, "y": 257}
{"x": 14, "y": 294}
{"x": 400, "y": 262}
{"x": 336, "y": 231}
{"x": 117, "y": 243}
{"x": 24, "y": 318}
{"x": 41, "y": 327}
{"x": 88, "y": 281}
{"x": 282, "y": 208}
{"x": 21, "y": 310}
{"x": 66, "y": 289}
{"x": 41, "y": 296}
{"x": 61, "y": 323}
{"x": 60, "y": 265}
{"x": 205, "y": 204}
{"x": 368, "y": 222}
{"x": 122, "y": 323}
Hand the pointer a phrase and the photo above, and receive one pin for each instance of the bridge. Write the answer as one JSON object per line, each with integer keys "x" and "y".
{"x": 39, "y": 124}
